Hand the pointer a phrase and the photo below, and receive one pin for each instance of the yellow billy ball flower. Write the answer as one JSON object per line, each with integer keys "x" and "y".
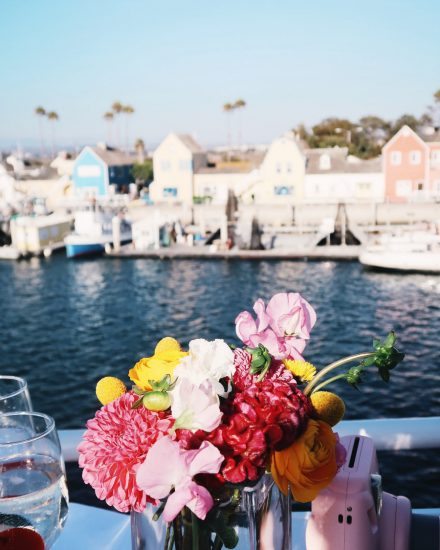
{"x": 301, "y": 370}
{"x": 109, "y": 388}
{"x": 328, "y": 406}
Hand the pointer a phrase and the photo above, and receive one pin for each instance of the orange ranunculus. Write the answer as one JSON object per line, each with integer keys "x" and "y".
{"x": 167, "y": 356}
{"x": 309, "y": 465}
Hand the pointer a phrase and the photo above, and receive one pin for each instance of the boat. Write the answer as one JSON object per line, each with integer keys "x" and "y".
{"x": 9, "y": 253}
{"x": 409, "y": 252}
{"x": 95, "y": 232}
{"x": 36, "y": 235}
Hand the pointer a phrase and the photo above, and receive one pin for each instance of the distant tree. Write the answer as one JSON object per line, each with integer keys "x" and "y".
{"x": 41, "y": 113}
{"x": 139, "y": 147}
{"x": 239, "y": 105}
{"x": 405, "y": 120}
{"x": 301, "y": 132}
{"x": 143, "y": 172}
{"x": 228, "y": 109}
{"x": 117, "y": 108}
{"x": 109, "y": 117}
{"x": 127, "y": 110}
{"x": 436, "y": 110}
{"x": 53, "y": 117}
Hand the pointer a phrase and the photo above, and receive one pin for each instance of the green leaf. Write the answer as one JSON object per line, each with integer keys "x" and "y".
{"x": 390, "y": 340}
{"x": 137, "y": 403}
{"x": 368, "y": 361}
{"x": 138, "y": 391}
{"x": 384, "y": 374}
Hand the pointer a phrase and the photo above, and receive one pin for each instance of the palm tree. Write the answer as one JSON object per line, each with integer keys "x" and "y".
{"x": 41, "y": 113}
{"x": 117, "y": 108}
{"x": 52, "y": 115}
{"x": 139, "y": 146}
{"x": 127, "y": 110}
{"x": 108, "y": 117}
{"x": 239, "y": 104}
{"x": 228, "y": 108}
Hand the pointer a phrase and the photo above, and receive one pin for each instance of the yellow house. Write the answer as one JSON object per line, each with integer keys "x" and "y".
{"x": 281, "y": 178}
{"x": 175, "y": 161}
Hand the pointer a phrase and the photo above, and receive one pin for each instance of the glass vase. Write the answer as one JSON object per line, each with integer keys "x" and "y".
{"x": 246, "y": 518}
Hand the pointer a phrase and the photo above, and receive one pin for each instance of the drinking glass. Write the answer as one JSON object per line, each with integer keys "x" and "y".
{"x": 33, "y": 491}
{"x": 14, "y": 394}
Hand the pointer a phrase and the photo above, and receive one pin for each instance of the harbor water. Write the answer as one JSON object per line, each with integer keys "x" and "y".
{"x": 65, "y": 324}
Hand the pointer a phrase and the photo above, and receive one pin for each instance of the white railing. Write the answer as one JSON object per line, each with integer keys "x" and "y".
{"x": 390, "y": 434}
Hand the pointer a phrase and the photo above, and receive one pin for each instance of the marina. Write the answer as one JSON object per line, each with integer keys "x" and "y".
{"x": 219, "y": 276}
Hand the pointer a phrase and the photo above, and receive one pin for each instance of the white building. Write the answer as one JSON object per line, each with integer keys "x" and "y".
{"x": 332, "y": 176}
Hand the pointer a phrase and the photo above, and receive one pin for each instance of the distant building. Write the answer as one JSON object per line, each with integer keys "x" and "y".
{"x": 281, "y": 174}
{"x": 411, "y": 167}
{"x": 333, "y": 176}
{"x": 175, "y": 162}
{"x": 101, "y": 171}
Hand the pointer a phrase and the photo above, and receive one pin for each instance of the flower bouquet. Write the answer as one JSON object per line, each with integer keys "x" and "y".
{"x": 209, "y": 444}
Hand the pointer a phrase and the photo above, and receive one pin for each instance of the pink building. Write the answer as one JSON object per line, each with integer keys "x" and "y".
{"x": 411, "y": 168}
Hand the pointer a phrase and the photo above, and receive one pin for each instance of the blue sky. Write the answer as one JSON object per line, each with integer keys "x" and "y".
{"x": 178, "y": 62}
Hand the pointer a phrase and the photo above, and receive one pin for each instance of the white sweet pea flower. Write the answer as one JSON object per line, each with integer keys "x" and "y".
{"x": 207, "y": 361}
{"x": 195, "y": 407}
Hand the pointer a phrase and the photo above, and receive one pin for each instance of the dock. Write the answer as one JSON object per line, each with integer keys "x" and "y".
{"x": 319, "y": 253}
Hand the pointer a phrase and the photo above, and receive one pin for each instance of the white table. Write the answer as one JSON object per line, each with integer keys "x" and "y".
{"x": 89, "y": 528}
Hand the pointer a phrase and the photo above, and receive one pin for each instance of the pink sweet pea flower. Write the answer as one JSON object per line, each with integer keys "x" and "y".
{"x": 283, "y": 327}
{"x": 168, "y": 466}
{"x": 290, "y": 315}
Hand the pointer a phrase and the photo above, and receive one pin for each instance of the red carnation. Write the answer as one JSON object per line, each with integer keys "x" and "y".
{"x": 268, "y": 415}
{"x": 243, "y": 378}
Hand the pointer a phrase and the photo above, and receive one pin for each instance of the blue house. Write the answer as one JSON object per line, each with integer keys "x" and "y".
{"x": 96, "y": 168}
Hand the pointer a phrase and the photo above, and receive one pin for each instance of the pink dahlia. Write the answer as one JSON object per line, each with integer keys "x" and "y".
{"x": 268, "y": 415}
{"x": 114, "y": 445}
{"x": 243, "y": 378}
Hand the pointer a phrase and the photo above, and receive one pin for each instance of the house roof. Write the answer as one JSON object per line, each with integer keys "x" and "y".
{"x": 340, "y": 162}
{"x": 113, "y": 157}
{"x": 190, "y": 143}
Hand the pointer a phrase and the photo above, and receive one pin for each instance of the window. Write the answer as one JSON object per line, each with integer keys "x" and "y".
{"x": 165, "y": 165}
{"x": 283, "y": 190}
{"x": 420, "y": 186}
{"x": 364, "y": 186}
{"x": 185, "y": 165}
{"x": 325, "y": 162}
{"x": 278, "y": 167}
{"x": 289, "y": 168}
{"x": 435, "y": 157}
{"x": 396, "y": 158}
{"x": 403, "y": 188}
{"x": 437, "y": 187}
{"x": 89, "y": 171}
{"x": 415, "y": 157}
{"x": 169, "y": 192}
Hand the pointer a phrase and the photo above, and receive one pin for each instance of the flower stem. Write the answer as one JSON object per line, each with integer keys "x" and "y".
{"x": 335, "y": 365}
{"x": 328, "y": 381}
{"x": 195, "y": 532}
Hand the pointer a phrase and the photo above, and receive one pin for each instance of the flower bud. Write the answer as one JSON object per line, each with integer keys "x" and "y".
{"x": 156, "y": 401}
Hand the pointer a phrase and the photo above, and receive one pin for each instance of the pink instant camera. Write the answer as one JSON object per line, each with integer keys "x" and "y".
{"x": 353, "y": 513}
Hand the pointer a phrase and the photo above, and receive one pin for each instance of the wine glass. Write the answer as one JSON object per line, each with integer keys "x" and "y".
{"x": 33, "y": 491}
{"x": 14, "y": 394}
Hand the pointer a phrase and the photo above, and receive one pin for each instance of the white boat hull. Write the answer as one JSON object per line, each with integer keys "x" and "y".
{"x": 422, "y": 261}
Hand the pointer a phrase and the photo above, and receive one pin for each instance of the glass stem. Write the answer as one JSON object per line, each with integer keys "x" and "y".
{"x": 335, "y": 365}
